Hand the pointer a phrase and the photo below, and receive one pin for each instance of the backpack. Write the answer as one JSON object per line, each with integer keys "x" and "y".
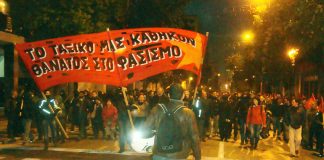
{"x": 169, "y": 137}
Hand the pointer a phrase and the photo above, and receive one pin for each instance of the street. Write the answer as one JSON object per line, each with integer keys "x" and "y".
{"x": 102, "y": 149}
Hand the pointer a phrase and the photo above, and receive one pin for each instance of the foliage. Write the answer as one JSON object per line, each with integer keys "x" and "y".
{"x": 282, "y": 25}
{"x": 44, "y": 19}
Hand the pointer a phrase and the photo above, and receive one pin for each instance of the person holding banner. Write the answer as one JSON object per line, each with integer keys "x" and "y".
{"x": 48, "y": 118}
{"x": 123, "y": 120}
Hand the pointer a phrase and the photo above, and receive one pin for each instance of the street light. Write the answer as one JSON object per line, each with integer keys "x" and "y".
{"x": 292, "y": 53}
{"x": 247, "y": 37}
{"x": 218, "y": 74}
{"x": 261, "y": 5}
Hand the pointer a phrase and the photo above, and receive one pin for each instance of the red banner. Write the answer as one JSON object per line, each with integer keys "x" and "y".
{"x": 116, "y": 57}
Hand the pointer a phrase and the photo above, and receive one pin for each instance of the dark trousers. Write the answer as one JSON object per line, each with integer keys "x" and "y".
{"x": 243, "y": 131}
{"x": 97, "y": 126}
{"x": 124, "y": 128}
{"x": 224, "y": 129}
{"x": 236, "y": 128}
{"x": 255, "y": 130}
{"x": 49, "y": 123}
{"x": 320, "y": 138}
{"x": 11, "y": 128}
{"x": 202, "y": 128}
{"x": 312, "y": 132}
{"x": 276, "y": 126}
{"x": 83, "y": 125}
{"x": 39, "y": 126}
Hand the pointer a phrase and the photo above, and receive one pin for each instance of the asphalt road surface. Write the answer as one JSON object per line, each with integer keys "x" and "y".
{"x": 102, "y": 149}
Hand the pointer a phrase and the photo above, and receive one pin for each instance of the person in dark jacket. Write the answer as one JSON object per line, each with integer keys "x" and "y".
{"x": 243, "y": 107}
{"x": 48, "y": 116}
{"x": 123, "y": 119}
{"x": 201, "y": 110}
{"x": 81, "y": 110}
{"x": 319, "y": 132}
{"x": 214, "y": 110}
{"x": 29, "y": 103}
{"x": 296, "y": 118}
{"x": 96, "y": 118}
{"x": 224, "y": 119}
{"x": 12, "y": 113}
{"x": 277, "y": 115}
{"x": 188, "y": 127}
{"x": 310, "y": 124}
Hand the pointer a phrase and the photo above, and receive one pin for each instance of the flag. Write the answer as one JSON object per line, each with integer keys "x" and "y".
{"x": 117, "y": 58}
{"x": 310, "y": 102}
{"x": 321, "y": 105}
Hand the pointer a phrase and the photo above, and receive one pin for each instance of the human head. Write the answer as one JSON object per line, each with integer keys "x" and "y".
{"x": 160, "y": 91}
{"x": 176, "y": 91}
{"x": 255, "y": 101}
{"x": 81, "y": 94}
{"x": 108, "y": 102}
{"x": 94, "y": 94}
{"x": 141, "y": 98}
{"x": 187, "y": 94}
{"x": 47, "y": 93}
{"x": 294, "y": 102}
{"x": 203, "y": 94}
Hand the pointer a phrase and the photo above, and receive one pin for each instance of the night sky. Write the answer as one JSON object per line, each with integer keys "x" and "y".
{"x": 225, "y": 20}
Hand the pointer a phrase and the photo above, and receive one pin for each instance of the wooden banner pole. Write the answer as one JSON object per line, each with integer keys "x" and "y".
{"x": 126, "y": 102}
{"x": 56, "y": 119}
{"x": 199, "y": 76}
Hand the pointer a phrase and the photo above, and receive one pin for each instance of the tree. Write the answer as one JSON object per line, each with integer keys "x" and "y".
{"x": 285, "y": 24}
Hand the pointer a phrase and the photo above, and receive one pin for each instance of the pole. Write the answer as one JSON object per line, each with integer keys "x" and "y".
{"x": 55, "y": 118}
{"x": 128, "y": 112}
{"x": 121, "y": 84}
{"x": 199, "y": 76}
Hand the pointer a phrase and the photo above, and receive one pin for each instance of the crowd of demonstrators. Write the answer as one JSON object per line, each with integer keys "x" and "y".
{"x": 249, "y": 116}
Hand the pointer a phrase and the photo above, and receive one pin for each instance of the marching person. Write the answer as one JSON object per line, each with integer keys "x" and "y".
{"x": 140, "y": 111}
{"x": 201, "y": 111}
{"x": 319, "y": 129}
{"x": 187, "y": 133}
{"x": 12, "y": 113}
{"x": 109, "y": 117}
{"x": 96, "y": 115}
{"x": 224, "y": 119}
{"x": 30, "y": 102}
{"x": 82, "y": 111}
{"x": 243, "y": 107}
{"x": 123, "y": 120}
{"x": 296, "y": 118}
{"x": 48, "y": 117}
{"x": 256, "y": 119}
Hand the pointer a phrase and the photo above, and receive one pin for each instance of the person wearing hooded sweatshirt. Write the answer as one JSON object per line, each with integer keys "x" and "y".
{"x": 296, "y": 118}
{"x": 256, "y": 118}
